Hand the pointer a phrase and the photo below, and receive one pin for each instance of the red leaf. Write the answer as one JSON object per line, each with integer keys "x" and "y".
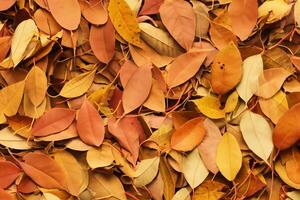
{"x": 44, "y": 171}
{"x": 137, "y": 89}
{"x": 53, "y": 121}
{"x": 102, "y": 40}
{"x": 8, "y": 173}
{"x": 90, "y": 125}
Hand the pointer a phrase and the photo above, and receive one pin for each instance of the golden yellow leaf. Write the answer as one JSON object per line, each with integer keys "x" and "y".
{"x": 280, "y": 169}
{"x": 31, "y": 110}
{"x": 11, "y": 97}
{"x": 36, "y": 85}
{"x": 78, "y": 85}
{"x": 231, "y": 102}
{"x": 229, "y": 156}
{"x": 124, "y": 21}
{"x": 277, "y": 9}
{"x": 209, "y": 190}
{"x": 100, "y": 157}
{"x": 210, "y": 107}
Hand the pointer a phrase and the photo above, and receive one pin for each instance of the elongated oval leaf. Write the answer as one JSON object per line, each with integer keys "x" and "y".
{"x": 53, "y": 121}
{"x": 210, "y": 107}
{"x": 229, "y": 156}
{"x": 94, "y": 11}
{"x": 137, "y": 89}
{"x": 90, "y": 125}
{"x": 184, "y": 67}
{"x": 189, "y": 135}
{"x": 287, "y": 130}
{"x": 9, "y": 172}
{"x": 257, "y": 134}
{"x": 180, "y": 20}
{"x": 252, "y": 68}
{"x": 194, "y": 169}
{"x": 11, "y": 140}
{"x": 146, "y": 171}
{"x": 58, "y": 9}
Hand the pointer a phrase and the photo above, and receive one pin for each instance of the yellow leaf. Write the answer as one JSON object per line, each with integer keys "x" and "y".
{"x": 252, "y": 68}
{"x": 229, "y": 156}
{"x": 36, "y": 85}
{"x": 33, "y": 111}
{"x": 124, "y": 21}
{"x": 76, "y": 176}
{"x": 11, "y": 97}
{"x": 194, "y": 169}
{"x": 297, "y": 12}
{"x": 274, "y": 107}
{"x": 146, "y": 171}
{"x": 24, "y": 33}
{"x": 257, "y": 134}
{"x": 210, "y": 107}
{"x": 280, "y": 169}
{"x": 231, "y": 102}
{"x": 78, "y": 85}
{"x": 276, "y": 8}
{"x": 100, "y": 157}
{"x": 183, "y": 194}
{"x": 209, "y": 190}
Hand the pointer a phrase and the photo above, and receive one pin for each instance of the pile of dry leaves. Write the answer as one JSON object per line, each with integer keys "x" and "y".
{"x": 149, "y": 99}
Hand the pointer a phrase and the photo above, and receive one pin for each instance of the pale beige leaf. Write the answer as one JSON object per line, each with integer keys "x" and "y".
{"x": 183, "y": 194}
{"x": 11, "y": 140}
{"x": 146, "y": 171}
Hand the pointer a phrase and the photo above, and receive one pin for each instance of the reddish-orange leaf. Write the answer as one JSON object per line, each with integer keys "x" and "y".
{"x": 189, "y": 135}
{"x": 53, "y": 121}
{"x": 127, "y": 131}
{"x": 90, "y": 125}
{"x": 243, "y": 15}
{"x": 45, "y": 22}
{"x": 43, "y": 170}
{"x": 94, "y": 11}
{"x": 137, "y": 89}
{"x": 102, "y": 40}
{"x": 150, "y": 7}
{"x": 126, "y": 71}
{"x": 8, "y": 173}
{"x": 287, "y": 130}
{"x": 5, "y": 195}
{"x": 6, "y": 4}
{"x": 185, "y": 67}
{"x": 26, "y": 185}
{"x": 226, "y": 69}
{"x": 67, "y": 13}
{"x": 179, "y": 18}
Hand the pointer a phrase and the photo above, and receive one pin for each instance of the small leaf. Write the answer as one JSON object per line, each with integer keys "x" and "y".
{"x": 257, "y": 134}
{"x": 90, "y": 125}
{"x": 100, "y": 157}
{"x": 78, "y": 85}
{"x": 181, "y": 71}
{"x": 189, "y": 135}
{"x": 210, "y": 107}
{"x": 287, "y": 130}
{"x": 59, "y": 9}
{"x": 9, "y": 172}
{"x": 36, "y": 85}
{"x": 94, "y": 11}
{"x": 137, "y": 89}
{"x": 180, "y": 20}
{"x": 226, "y": 69}
{"x": 53, "y": 121}
{"x": 229, "y": 156}
{"x": 183, "y": 194}
{"x": 146, "y": 171}
{"x": 124, "y": 21}
{"x": 252, "y": 68}
{"x": 194, "y": 169}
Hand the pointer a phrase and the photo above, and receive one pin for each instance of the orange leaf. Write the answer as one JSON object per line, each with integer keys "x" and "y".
{"x": 243, "y": 15}
{"x": 126, "y": 71}
{"x": 293, "y": 167}
{"x": 67, "y": 13}
{"x": 287, "y": 130}
{"x": 226, "y": 69}
{"x": 185, "y": 67}
{"x": 8, "y": 173}
{"x": 94, "y": 11}
{"x": 221, "y": 36}
{"x": 53, "y": 121}
{"x": 296, "y": 61}
{"x": 150, "y": 7}
{"x": 43, "y": 170}
{"x": 102, "y": 40}
{"x": 6, "y": 4}
{"x": 5, "y": 195}
{"x": 137, "y": 89}
{"x": 189, "y": 135}
{"x": 90, "y": 125}
{"x": 179, "y": 18}
{"x": 5, "y": 43}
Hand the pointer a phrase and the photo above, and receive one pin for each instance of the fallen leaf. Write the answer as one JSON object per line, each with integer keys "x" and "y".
{"x": 93, "y": 11}
{"x": 90, "y": 125}
{"x": 6, "y": 4}
{"x": 210, "y": 106}
{"x": 189, "y": 135}
{"x": 180, "y": 20}
{"x": 9, "y": 139}
{"x": 276, "y": 9}
{"x": 226, "y": 69}
{"x": 100, "y": 157}
{"x": 229, "y": 156}
{"x": 8, "y": 174}
{"x": 146, "y": 171}
{"x": 5, "y": 195}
